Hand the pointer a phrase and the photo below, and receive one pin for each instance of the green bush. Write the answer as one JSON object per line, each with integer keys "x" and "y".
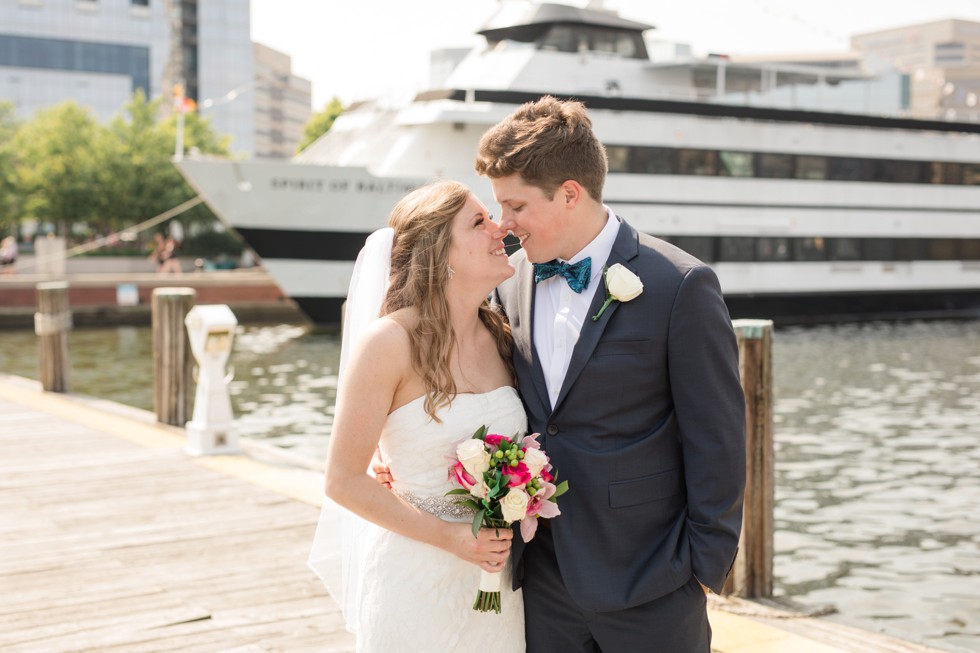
{"x": 212, "y": 244}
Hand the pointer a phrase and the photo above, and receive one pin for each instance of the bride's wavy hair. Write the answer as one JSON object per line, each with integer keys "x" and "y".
{"x": 423, "y": 224}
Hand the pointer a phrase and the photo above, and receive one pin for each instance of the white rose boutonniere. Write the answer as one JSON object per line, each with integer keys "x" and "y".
{"x": 621, "y": 286}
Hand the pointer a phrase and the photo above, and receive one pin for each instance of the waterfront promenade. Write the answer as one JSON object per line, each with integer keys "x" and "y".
{"x": 113, "y": 539}
{"x": 101, "y": 295}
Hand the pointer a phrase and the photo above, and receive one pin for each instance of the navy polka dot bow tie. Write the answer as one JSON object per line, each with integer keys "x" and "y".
{"x": 577, "y": 275}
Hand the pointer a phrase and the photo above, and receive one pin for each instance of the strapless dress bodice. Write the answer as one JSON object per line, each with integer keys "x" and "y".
{"x": 419, "y": 450}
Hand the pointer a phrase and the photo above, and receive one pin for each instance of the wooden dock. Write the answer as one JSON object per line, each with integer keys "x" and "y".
{"x": 113, "y": 539}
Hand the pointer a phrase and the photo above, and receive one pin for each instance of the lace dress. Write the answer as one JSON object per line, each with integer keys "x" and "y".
{"x": 416, "y": 597}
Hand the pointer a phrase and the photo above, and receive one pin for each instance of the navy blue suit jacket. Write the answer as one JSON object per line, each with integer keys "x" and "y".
{"x": 648, "y": 429}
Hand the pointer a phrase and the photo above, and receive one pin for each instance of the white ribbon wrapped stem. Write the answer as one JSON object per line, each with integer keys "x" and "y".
{"x": 490, "y": 580}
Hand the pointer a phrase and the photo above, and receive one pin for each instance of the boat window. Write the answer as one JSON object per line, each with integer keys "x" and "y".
{"x": 811, "y": 167}
{"x": 735, "y": 164}
{"x": 908, "y": 249}
{"x": 628, "y": 159}
{"x": 700, "y": 247}
{"x": 653, "y": 161}
{"x": 879, "y": 249}
{"x": 810, "y": 249}
{"x": 946, "y": 173}
{"x": 902, "y": 172}
{"x": 563, "y": 38}
{"x": 844, "y": 169}
{"x": 845, "y": 249}
{"x": 736, "y": 248}
{"x": 970, "y": 250}
{"x": 971, "y": 174}
{"x": 619, "y": 158}
{"x": 743, "y": 249}
{"x": 773, "y": 249}
{"x": 941, "y": 249}
{"x": 613, "y": 43}
{"x": 774, "y": 166}
{"x": 697, "y": 162}
{"x": 587, "y": 38}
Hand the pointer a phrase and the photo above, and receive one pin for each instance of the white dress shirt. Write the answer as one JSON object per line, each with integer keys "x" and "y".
{"x": 559, "y": 313}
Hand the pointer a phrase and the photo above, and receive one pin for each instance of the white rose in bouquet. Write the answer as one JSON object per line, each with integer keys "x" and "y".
{"x": 474, "y": 457}
{"x": 535, "y": 461}
{"x": 479, "y": 490}
{"x": 514, "y": 505}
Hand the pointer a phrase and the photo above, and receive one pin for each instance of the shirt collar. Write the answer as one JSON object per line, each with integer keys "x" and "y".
{"x": 601, "y": 246}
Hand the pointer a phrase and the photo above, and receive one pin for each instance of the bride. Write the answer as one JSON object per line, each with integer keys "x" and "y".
{"x": 425, "y": 375}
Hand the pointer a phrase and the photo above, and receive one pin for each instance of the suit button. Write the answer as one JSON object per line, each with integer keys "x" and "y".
{"x": 552, "y": 429}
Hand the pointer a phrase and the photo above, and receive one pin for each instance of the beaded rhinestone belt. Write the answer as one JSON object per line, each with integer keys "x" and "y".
{"x": 435, "y": 505}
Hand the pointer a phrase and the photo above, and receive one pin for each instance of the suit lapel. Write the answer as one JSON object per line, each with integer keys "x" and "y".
{"x": 624, "y": 250}
{"x": 524, "y": 333}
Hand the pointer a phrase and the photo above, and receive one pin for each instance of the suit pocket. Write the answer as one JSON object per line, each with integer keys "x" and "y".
{"x": 644, "y": 490}
{"x": 623, "y": 347}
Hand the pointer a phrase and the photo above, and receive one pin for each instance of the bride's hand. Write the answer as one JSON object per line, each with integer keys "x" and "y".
{"x": 382, "y": 473}
{"x": 488, "y": 551}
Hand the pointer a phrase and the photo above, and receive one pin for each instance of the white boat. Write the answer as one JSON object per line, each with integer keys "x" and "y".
{"x": 808, "y": 189}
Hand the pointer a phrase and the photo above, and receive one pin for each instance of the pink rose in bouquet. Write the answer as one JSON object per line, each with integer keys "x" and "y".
{"x": 505, "y": 480}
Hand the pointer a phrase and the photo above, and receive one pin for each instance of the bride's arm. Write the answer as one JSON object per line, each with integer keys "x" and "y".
{"x": 372, "y": 376}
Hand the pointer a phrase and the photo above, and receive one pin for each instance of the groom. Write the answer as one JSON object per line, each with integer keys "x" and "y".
{"x": 639, "y": 405}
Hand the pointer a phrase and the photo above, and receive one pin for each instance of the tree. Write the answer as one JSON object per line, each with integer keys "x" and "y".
{"x": 8, "y": 158}
{"x": 71, "y": 170}
{"x": 58, "y": 174}
{"x": 320, "y": 123}
{"x": 141, "y": 178}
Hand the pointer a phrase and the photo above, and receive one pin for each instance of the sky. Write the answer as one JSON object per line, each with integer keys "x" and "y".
{"x": 358, "y": 49}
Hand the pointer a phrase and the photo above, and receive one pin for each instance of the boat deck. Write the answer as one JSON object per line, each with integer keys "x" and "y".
{"x": 113, "y": 539}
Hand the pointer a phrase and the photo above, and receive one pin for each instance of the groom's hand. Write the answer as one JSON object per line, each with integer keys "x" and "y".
{"x": 380, "y": 470}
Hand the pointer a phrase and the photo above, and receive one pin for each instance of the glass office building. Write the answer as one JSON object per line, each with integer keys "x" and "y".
{"x": 99, "y": 52}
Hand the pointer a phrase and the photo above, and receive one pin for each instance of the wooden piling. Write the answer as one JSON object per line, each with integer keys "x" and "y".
{"x": 52, "y": 322}
{"x": 171, "y": 354}
{"x": 752, "y": 575}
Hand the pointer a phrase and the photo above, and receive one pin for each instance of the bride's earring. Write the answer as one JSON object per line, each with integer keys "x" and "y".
{"x": 451, "y": 271}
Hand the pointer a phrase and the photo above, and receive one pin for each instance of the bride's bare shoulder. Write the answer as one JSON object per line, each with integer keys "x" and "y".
{"x": 406, "y": 318}
{"x": 388, "y": 336}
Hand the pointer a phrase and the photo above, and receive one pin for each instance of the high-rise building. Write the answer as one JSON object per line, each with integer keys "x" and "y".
{"x": 942, "y": 60}
{"x": 282, "y": 104}
{"x": 99, "y": 52}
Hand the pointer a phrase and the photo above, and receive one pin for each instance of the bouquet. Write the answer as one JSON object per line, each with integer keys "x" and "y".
{"x": 505, "y": 480}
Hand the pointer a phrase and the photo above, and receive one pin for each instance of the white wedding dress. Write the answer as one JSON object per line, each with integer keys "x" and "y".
{"x": 414, "y": 596}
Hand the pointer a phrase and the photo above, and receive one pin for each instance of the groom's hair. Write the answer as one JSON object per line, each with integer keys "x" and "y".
{"x": 546, "y": 142}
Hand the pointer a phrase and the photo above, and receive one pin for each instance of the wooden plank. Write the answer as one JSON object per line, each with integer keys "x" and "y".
{"x": 107, "y": 545}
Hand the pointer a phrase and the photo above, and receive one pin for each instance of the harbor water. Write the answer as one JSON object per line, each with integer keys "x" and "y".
{"x": 877, "y": 453}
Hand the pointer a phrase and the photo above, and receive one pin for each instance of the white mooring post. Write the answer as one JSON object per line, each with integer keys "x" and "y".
{"x": 211, "y": 329}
